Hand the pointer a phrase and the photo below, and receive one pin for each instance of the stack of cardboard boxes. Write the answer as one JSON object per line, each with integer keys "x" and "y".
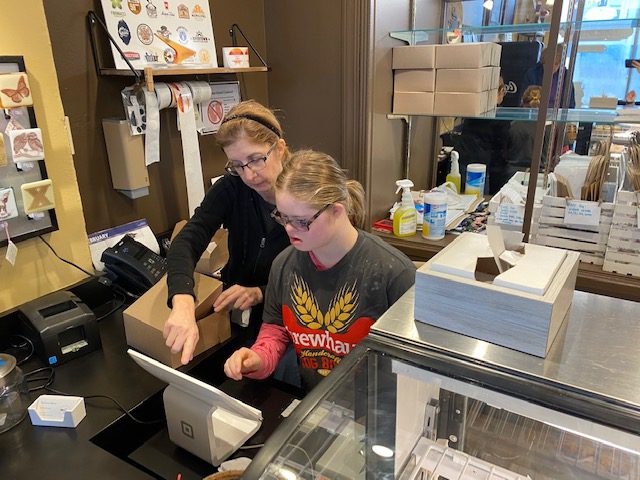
{"x": 448, "y": 80}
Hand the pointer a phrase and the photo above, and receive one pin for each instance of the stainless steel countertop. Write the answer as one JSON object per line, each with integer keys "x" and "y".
{"x": 597, "y": 349}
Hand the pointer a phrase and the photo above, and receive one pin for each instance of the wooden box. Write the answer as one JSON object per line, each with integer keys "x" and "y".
{"x": 590, "y": 242}
{"x": 500, "y": 314}
{"x": 623, "y": 246}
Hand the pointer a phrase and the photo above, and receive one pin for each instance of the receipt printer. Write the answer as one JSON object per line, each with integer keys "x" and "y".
{"x": 61, "y": 327}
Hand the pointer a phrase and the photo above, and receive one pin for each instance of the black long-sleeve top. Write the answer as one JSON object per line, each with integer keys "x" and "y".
{"x": 255, "y": 239}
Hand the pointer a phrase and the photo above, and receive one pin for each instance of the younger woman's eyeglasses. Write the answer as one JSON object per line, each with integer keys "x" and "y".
{"x": 254, "y": 165}
{"x": 297, "y": 223}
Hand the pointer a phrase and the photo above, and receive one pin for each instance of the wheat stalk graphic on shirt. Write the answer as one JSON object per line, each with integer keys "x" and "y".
{"x": 336, "y": 319}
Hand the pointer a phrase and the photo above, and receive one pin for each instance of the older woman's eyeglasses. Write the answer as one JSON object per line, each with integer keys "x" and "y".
{"x": 254, "y": 165}
{"x": 297, "y": 223}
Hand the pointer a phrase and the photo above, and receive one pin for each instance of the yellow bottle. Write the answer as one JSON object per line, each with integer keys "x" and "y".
{"x": 454, "y": 174}
{"x": 405, "y": 218}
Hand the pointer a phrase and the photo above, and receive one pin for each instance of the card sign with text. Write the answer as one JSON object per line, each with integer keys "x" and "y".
{"x": 580, "y": 212}
{"x": 510, "y": 214}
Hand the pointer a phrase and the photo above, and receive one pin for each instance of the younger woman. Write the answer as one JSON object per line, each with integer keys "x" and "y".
{"x": 332, "y": 284}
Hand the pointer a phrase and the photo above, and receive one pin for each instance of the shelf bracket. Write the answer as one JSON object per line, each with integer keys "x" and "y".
{"x": 92, "y": 21}
{"x": 234, "y": 41}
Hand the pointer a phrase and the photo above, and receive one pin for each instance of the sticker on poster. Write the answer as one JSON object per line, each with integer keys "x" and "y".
{"x": 152, "y": 10}
{"x": 135, "y": 111}
{"x": 145, "y": 34}
{"x": 224, "y": 96}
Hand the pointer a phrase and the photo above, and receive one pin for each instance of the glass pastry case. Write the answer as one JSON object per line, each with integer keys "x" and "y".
{"x": 416, "y": 402}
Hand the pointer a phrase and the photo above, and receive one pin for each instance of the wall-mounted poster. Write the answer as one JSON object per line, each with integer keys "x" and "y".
{"x": 161, "y": 32}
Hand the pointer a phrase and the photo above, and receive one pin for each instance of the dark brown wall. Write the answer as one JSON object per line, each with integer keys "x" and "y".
{"x": 87, "y": 98}
{"x": 304, "y": 46}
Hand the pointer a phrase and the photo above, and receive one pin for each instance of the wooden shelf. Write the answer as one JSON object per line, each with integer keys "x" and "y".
{"x": 183, "y": 71}
{"x": 591, "y": 278}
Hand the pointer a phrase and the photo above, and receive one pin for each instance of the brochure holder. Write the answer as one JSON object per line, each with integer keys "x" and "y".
{"x": 200, "y": 418}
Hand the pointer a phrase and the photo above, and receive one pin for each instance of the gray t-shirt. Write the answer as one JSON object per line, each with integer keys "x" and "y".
{"x": 327, "y": 312}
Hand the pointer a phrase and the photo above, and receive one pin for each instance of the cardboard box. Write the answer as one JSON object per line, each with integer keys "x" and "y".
{"x": 144, "y": 320}
{"x": 414, "y": 56}
{"x": 459, "y": 104}
{"x": 419, "y": 80}
{"x": 495, "y": 80}
{"x": 470, "y": 80}
{"x": 216, "y": 254}
{"x": 465, "y": 55}
{"x": 492, "y": 99}
{"x": 413, "y": 103}
{"x": 496, "y": 55}
{"x": 480, "y": 307}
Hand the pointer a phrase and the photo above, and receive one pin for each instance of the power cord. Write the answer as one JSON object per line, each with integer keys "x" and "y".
{"x": 100, "y": 278}
{"x": 26, "y": 343}
{"x": 48, "y": 380}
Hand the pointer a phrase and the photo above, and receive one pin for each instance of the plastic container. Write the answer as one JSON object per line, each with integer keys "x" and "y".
{"x": 14, "y": 394}
{"x": 476, "y": 175}
{"x": 435, "y": 215}
{"x": 405, "y": 218}
{"x": 454, "y": 174}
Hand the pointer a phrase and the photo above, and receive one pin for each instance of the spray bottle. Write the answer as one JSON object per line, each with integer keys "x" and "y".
{"x": 454, "y": 174}
{"x": 405, "y": 216}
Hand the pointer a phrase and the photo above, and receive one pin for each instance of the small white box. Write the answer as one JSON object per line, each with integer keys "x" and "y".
{"x": 465, "y": 55}
{"x": 413, "y": 103}
{"x": 464, "y": 79}
{"x": 414, "y": 56}
{"x": 459, "y": 104}
{"x": 57, "y": 411}
{"x": 418, "y": 80}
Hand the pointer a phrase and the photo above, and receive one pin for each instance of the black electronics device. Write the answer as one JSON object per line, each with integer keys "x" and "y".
{"x": 628, "y": 62}
{"x": 61, "y": 327}
{"x": 133, "y": 265}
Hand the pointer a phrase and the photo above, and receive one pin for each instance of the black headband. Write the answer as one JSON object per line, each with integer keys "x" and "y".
{"x": 255, "y": 119}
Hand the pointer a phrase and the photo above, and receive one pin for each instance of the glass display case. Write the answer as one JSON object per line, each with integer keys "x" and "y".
{"x": 416, "y": 402}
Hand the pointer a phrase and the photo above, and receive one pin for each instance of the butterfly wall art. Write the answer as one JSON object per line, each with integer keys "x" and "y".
{"x": 15, "y": 90}
{"x": 26, "y": 145}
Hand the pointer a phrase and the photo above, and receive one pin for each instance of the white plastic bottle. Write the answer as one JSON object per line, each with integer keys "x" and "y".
{"x": 405, "y": 216}
{"x": 476, "y": 175}
{"x": 435, "y": 215}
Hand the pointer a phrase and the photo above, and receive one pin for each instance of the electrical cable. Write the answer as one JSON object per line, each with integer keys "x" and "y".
{"x": 100, "y": 278}
{"x": 67, "y": 261}
{"x": 118, "y": 404}
{"x": 26, "y": 343}
{"x": 114, "y": 309}
{"x": 251, "y": 447}
{"x": 48, "y": 380}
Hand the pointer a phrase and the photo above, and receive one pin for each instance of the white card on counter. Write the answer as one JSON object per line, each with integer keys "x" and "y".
{"x": 510, "y": 214}
{"x": 582, "y": 213}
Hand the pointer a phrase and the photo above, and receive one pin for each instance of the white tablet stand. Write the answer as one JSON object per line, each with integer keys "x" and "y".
{"x": 200, "y": 418}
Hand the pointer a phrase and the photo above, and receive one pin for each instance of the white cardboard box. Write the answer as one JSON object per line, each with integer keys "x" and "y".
{"x": 418, "y": 80}
{"x": 459, "y": 104}
{"x": 496, "y": 55}
{"x": 414, "y": 56}
{"x": 466, "y": 55}
{"x": 464, "y": 79}
{"x": 506, "y": 316}
{"x": 413, "y": 103}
